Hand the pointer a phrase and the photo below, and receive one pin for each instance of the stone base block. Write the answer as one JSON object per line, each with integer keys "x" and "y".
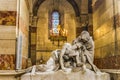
{"x": 60, "y": 75}
{"x": 7, "y": 78}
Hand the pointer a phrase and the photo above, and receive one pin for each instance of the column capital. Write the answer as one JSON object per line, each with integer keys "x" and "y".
{"x": 34, "y": 21}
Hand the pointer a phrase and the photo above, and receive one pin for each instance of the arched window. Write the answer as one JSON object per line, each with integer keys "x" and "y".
{"x": 55, "y": 21}
{"x": 56, "y": 31}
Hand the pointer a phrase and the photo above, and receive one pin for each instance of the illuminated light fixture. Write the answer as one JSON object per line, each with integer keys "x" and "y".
{"x": 61, "y": 35}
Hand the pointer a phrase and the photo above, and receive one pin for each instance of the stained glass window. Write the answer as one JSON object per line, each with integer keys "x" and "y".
{"x": 55, "y": 22}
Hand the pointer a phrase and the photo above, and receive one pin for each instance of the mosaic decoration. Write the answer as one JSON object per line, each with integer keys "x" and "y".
{"x": 7, "y": 62}
{"x": 8, "y": 18}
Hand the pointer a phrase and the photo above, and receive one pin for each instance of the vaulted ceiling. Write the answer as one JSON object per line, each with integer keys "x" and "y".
{"x": 37, "y": 4}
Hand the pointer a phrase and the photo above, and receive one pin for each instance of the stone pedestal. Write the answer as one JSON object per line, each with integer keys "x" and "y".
{"x": 60, "y": 75}
{"x": 7, "y": 78}
{"x": 10, "y": 74}
{"x": 114, "y": 73}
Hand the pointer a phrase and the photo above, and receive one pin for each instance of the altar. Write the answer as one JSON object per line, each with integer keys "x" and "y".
{"x": 61, "y": 75}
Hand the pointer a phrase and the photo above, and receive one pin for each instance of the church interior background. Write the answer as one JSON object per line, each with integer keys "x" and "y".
{"x": 31, "y": 29}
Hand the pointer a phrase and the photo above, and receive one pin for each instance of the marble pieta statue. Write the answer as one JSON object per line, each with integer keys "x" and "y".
{"x": 72, "y": 57}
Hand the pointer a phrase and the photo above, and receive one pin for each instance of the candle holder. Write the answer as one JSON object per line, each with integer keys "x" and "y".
{"x": 60, "y": 36}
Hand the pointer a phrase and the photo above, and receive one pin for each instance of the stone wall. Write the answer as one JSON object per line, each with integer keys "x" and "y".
{"x": 8, "y": 10}
{"x": 106, "y": 34}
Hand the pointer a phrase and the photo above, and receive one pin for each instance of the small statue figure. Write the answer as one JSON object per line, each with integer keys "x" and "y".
{"x": 87, "y": 49}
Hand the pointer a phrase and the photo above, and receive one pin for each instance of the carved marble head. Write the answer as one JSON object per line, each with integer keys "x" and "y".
{"x": 85, "y": 36}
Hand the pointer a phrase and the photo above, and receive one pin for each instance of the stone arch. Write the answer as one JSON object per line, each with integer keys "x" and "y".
{"x": 41, "y": 14}
{"x": 72, "y": 2}
{"x": 68, "y": 19}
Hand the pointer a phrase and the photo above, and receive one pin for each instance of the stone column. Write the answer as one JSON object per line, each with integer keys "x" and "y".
{"x": 34, "y": 21}
{"x": 78, "y": 22}
{"x": 78, "y": 26}
{"x": 29, "y": 63}
{"x": 30, "y": 19}
{"x": 33, "y": 38}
